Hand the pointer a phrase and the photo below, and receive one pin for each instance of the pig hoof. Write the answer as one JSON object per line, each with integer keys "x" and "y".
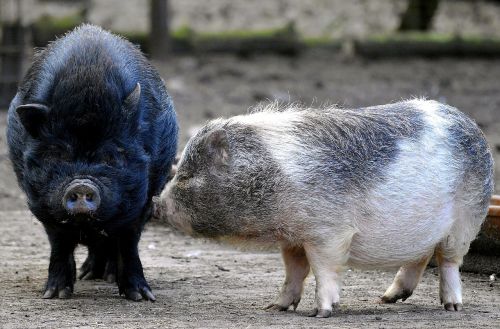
{"x": 320, "y": 313}
{"x": 148, "y": 295}
{"x": 276, "y": 307}
{"x": 133, "y": 294}
{"x": 91, "y": 269}
{"x": 453, "y": 307}
{"x": 110, "y": 278}
{"x": 387, "y": 300}
{"x": 110, "y": 272}
{"x": 87, "y": 275}
{"x": 324, "y": 314}
{"x": 52, "y": 292}
{"x": 282, "y": 308}
{"x": 143, "y": 292}
{"x": 84, "y": 271}
{"x": 64, "y": 293}
{"x": 313, "y": 313}
{"x": 403, "y": 295}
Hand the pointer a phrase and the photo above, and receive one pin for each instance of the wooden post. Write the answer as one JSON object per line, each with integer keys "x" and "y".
{"x": 159, "y": 33}
{"x": 418, "y": 15}
{"x": 11, "y": 60}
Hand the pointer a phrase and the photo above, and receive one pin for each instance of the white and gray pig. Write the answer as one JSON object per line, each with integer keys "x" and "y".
{"x": 374, "y": 188}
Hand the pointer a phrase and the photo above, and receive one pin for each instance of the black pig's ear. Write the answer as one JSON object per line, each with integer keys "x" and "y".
{"x": 132, "y": 101}
{"x": 32, "y": 116}
{"x": 218, "y": 146}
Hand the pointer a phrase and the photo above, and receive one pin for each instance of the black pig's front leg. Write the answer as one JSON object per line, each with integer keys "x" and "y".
{"x": 131, "y": 279}
{"x": 62, "y": 268}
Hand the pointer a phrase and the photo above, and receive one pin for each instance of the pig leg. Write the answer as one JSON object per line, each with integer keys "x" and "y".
{"x": 405, "y": 282}
{"x": 62, "y": 267}
{"x": 93, "y": 267}
{"x": 450, "y": 285}
{"x": 110, "y": 271}
{"x": 327, "y": 264}
{"x": 131, "y": 281}
{"x": 297, "y": 269}
{"x": 101, "y": 261}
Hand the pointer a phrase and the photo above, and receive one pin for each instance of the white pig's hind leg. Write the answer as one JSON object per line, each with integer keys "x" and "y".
{"x": 405, "y": 282}
{"x": 328, "y": 259}
{"x": 469, "y": 214}
{"x": 297, "y": 269}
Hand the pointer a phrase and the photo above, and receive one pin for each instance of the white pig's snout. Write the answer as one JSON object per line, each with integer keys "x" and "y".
{"x": 169, "y": 207}
{"x": 175, "y": 216}
{"x": 166, "y": 203}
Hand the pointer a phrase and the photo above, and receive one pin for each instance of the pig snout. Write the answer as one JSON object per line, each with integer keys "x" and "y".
{"x": 167, "y": 209}
{"x": 81, "y": 197}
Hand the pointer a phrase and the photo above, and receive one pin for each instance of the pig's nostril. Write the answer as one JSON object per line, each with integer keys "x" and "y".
{"x": 89, "y": 197}
{"x": 73, "y": 197}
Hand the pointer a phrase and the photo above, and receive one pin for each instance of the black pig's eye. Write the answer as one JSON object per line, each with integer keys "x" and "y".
{"x": 55, "y": 152}
{"x": 109, "y": 159}
{"x": 113, "y": 158}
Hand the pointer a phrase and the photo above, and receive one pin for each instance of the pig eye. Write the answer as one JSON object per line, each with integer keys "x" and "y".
{"x": 112, "y": 159}
{"x": 182, "y": 178}
{"x": 56, "y": 152}
{"x": 109, "y": 160}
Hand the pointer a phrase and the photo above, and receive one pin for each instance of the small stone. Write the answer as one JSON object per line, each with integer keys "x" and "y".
{"x": 222, "y": 268}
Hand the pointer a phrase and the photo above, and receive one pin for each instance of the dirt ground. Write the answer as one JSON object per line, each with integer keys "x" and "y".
{"x": 204, "y": 284}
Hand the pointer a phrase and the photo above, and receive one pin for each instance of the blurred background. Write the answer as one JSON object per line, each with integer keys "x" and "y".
{"x": 221, "y": 57}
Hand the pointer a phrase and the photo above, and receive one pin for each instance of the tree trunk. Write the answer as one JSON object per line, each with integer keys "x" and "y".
{"x": 159, "y": 39}
{"x": 418, "y": 16}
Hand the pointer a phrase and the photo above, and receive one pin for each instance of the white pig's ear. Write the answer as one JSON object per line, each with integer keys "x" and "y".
{"x": 218, "y": 146}
{"x": 132, "y": 101}
{"x": 32, "y": 116}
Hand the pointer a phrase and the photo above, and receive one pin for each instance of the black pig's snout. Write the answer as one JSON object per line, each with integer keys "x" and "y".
{"x": 81, "y": 197}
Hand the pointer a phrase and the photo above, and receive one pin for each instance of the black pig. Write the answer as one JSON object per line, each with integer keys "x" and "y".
{"x": 92, "y": 134}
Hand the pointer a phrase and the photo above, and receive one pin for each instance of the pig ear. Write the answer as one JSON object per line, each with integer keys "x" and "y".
{"x": 32, "y": 116}
{"x": 218, "y": 146}
{"x": 132, "y": 101}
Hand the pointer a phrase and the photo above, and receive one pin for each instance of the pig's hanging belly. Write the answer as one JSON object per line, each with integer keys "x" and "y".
{"x": 411, "y": 209}
{"x": 396, "y": 238}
